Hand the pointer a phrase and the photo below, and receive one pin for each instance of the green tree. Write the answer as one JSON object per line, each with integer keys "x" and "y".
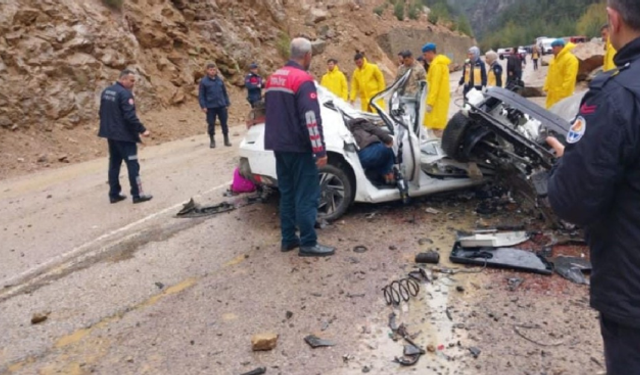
{"x": 414, "y": 10}
{"x": 464, "y": 26}
{"x": 592, "y": 20}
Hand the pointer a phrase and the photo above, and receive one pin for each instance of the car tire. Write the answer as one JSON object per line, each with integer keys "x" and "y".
{"x": 336, "y": 192}
{"x": 453, "y": 136}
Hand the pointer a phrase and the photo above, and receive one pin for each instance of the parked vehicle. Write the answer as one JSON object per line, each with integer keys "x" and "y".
{"x": 504, "y": 52}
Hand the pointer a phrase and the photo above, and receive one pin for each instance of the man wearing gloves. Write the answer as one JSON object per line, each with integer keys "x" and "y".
{"x": 563, "y": 72}
{"x": 439, "y": 94}
{"x": 367, "y": 81}
{"x": 335, "y": 81}
{"x": 474, "y": 73}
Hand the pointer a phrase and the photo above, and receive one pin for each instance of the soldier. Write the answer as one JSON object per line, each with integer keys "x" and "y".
{"x": 418, "y": 74}
{"x": 254, "y": 84}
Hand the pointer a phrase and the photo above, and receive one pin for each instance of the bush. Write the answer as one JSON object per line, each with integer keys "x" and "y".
{"x": 464, "y": 26}
{"x": 379, "y": 10}
{"x": 414, "y": 10}
{"x": 283, "y": 44}
{"x": 113, "y": 4}
{"x": 398, "y": 10}
{"x": 592, "y": 20}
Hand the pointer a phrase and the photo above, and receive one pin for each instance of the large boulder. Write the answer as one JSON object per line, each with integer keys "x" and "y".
{"x": 546, "y": 59}
{"x": 591, "y": 57}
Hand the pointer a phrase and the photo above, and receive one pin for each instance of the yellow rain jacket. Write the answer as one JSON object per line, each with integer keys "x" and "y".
{"x": 366, "y": 83}
{"x": 336, "y": 82}
{"x": 561, "y": 79}
{"x": 439, "y": 94}
{"x": 609, "y": 53}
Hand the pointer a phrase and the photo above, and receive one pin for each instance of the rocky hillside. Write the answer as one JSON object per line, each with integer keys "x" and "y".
{"x": 57, "y": 55}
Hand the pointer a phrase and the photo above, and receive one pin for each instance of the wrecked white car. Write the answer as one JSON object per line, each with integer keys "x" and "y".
{"x": 422, "y": 167}
{"x": 496, "y": 134}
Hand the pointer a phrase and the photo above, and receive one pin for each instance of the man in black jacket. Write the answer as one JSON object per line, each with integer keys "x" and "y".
{"x": 514, "y": 68}
{"x": 596, "y": 184}
{"x": 120, "y": 125}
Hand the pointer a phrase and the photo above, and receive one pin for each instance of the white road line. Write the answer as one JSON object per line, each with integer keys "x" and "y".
{"x": 79, "y": 249}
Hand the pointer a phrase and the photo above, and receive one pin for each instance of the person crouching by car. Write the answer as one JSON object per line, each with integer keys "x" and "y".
{"x": 374, "y": 144}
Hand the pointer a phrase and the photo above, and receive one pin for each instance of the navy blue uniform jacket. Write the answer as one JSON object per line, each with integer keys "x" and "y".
{"x": 213, "y": 93}
{"x": 118, "y": 119}
{"x": 253, "y": 83}
{"x": 293, "y": 122}
{"x": 596, "y": 184}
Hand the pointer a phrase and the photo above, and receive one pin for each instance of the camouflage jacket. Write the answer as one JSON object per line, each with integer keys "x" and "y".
{"x": 412, "y": 85}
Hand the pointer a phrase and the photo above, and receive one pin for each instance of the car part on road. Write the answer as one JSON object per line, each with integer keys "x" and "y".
{"x": 518, "y": 327}
{"x": 360, "y": 249}
{"x": 475, "y": 352}
{"x": 509, "y": 258}
{"x": 492, "y": 238}
{"x": 430, "y": 257}
{"x": 316, "y": 342}
{"x": 193, "y": 210}
{"x": 400, "y": 290}
{"x": 514, "y": 283}
{"x": 258, "y": 371}
{"x": 572, "y": 268}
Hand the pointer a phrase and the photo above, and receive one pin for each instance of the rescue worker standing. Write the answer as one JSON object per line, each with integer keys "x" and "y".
{"x": 609, "y": 51}
{"x": 254, "y": 84}
{"x": 494, "y": 77}
{"x": 563, "y": 73}
{"x": 412, "y": 86}
{"x": 514, "y": 69}
{"x": 120, "y": 125}
{"x": 293, "y": 130}
{"x": 439, "y": 95}
{"x": 367, "y": 81}
{"x": 596, "y": 184}
{"x": 535, "y": 56}
{"x": 474, "y": 73}
{"x": 335, "y": 81}
{"x": 214, "y": 101}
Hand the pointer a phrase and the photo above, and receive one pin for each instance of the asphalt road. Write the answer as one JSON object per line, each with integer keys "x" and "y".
{"x": 130, "y": 289}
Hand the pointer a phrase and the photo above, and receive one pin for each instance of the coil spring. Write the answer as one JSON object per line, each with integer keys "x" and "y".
{"x": 401, "y": 290}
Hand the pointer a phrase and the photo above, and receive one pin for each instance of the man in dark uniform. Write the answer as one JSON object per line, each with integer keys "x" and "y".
{"x": 293, "y": 130}
{"x": 254, "y": 84}
{"x": 596, "y": 184}
{"x": 214, "y": 101}
{"x": 120, "y": 125}
{"x": 514, "y": 68}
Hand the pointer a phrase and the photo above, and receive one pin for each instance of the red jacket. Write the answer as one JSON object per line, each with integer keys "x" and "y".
{"x": 293, "y": 122}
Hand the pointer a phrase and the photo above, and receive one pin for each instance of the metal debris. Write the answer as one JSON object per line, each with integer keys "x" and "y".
{"x": 316, "y": 342}
{"x": 258, "y": 371}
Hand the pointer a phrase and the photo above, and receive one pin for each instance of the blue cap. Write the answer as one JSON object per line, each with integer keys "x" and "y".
{"x": 428, "y": 47}
{"x": 253, "y": 66}
{"x": 558, "y": 43}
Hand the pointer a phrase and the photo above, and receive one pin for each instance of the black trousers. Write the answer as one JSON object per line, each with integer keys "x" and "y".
{"x": 128, "y": 152}
{"x": 621, "y": 347}
{"x": 212, "y": 114}
{"x": 535, "y": 64}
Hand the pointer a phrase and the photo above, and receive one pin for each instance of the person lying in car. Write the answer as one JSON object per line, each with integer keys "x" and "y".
{"x": 374, "y": 148}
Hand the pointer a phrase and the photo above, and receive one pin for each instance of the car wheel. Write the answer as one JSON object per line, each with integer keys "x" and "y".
{"x": 453, "y": 136}
{"x": 336, "y": 192}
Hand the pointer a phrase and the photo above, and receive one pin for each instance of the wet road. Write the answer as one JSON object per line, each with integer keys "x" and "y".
{"x": 132, "y": 290}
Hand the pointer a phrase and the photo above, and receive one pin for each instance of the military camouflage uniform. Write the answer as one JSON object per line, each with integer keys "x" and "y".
{"x": 412, "y": 85}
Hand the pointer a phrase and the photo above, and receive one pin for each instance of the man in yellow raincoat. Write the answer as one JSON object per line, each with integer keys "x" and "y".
{"x": 609, "y": 51}
{"x": 563, "y": 72}
{"x": 334, "y": 80}
{"x": 367, "y": 81}
{"x": 439, "y": 89}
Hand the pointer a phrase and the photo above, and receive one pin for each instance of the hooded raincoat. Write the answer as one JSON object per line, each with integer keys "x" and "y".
{"x": 439, "y": 94}
{"x": 561, "y": 79}
{"x": 366, "y": 83}
{"x": 609, "y": 53}
{"x": 336, "y": 82}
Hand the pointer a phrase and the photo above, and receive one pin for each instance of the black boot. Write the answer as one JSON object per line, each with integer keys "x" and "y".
{"x": 212, "y": 143}
{"x": 226, "y": 140}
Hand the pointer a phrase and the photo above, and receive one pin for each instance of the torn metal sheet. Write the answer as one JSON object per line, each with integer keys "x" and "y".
{"x": 509, "y": 258}
{"x": 572, "y": 268}
{"x": 316, "y": 342}
{"x": 493, "y": 239}
{"x": 192, "y": 209}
